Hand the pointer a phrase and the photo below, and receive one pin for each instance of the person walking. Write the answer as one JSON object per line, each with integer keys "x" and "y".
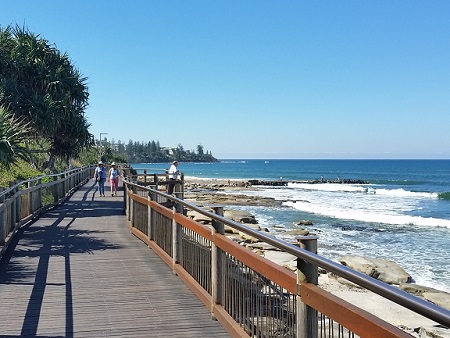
{"x": 100, "y": 177}
{"x": 173, "y": 174}
{"x": 113, "y": 179}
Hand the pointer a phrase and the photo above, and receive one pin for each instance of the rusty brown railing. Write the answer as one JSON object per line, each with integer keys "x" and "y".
{"x": 248, "y": 294}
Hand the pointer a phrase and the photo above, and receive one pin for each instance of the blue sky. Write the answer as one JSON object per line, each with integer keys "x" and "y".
{"x": 259, "y": 79}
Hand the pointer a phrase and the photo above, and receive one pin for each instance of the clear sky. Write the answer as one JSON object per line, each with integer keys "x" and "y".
{"x": 259, "y": 79}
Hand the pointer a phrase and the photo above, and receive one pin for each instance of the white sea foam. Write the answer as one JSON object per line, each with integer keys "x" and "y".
{"x": 365, "y": 216}
{"x": 405, "y": 193}
{"x": 361, "y": 188}
{"x": 339, "y": 201}
{"x": 328, "y": 187}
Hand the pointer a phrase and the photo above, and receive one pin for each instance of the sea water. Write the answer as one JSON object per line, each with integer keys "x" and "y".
{"x": 402, "y": 213}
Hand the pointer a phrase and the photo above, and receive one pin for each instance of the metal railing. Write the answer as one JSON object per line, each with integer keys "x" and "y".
{"x": 25, "y": 200}
{"x": 248, "y": 294}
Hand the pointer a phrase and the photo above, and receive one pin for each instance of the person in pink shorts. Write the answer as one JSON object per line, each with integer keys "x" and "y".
{"x": 113, "y": 179}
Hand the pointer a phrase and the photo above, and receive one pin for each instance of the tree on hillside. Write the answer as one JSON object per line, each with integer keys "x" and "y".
{"x": 40, "y": 85}
{"x": 200, "y": 150}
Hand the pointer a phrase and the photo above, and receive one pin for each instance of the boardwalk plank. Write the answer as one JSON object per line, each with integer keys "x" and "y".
{"x": 78, "y": 272}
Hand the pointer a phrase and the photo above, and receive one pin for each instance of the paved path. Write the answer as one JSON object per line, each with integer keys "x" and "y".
{"x": 78, "y": 272}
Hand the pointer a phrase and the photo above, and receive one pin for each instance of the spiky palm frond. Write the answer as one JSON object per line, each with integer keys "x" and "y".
{"x": 13, "y": 133}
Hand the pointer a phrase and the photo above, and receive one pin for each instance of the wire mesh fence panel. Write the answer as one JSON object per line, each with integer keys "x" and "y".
{"x": 140, "y": 217}
{"x": 328, "y": 328}
{"x": 162, "y": 226}
{"x": 261, "y": 307}
{"x": 196, "y": 257}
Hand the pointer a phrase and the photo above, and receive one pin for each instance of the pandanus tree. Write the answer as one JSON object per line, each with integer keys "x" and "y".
{"x": 13, "y": 133}
{"x": 40, "y": 85}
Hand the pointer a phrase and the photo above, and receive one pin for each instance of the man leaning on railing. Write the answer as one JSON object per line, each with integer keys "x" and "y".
{"x": 173, "y": 175}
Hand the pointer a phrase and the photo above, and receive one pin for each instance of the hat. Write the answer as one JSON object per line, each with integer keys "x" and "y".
{"x": 113, "y": 163}
{"x": 100, "y": 162}
{"x": 174, "y": 162}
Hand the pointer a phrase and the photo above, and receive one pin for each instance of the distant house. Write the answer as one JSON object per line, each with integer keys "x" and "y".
{"x": 115, "y": 146}
{"x": 168, "y": 150}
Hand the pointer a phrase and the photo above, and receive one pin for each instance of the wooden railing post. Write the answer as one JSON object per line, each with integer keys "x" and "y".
{"x": 176, "y": 237}
{"x": 216, "y": 261}
{"x": 125, "y": 197}
{"x": 15, "y": 207}
{"x": 182, "y": 186}
{"x": 68, "y": 184}
{"x": 39, "y": 193}
{"x": 150, "y": 217}
{"x": 306, "y": 273}
{"x": 3, "y": 214}
{"x": 31, "y": 198}
{"x": 55, "y": 189}
{"x": 131, "y": 210}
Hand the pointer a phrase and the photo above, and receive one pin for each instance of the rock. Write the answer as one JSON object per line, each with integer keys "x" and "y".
{"x": 262, "y": 246}
{"x": 213, "y": 197}
{"x": 441, "y": 299}
{"x": 198, "y": 217}
{"x": 304, "y": 222}
{"x": 381, "y": 269}
{"x": 298, "y": 232}
{"x": 230, "y": 230}
{"x": 433, "y": 332}
{"x": 248, "y": 238}
{"x": 282, "y": 258}
{"x": 240, "y": 216}
{"x": 416, "y": 289}
{"x": 344, "y": 281}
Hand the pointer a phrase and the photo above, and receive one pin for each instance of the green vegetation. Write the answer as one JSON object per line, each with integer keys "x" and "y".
{"x": 13, "y": 133}
{"x": 41, "y": 88}
{"x": 151, "y": 152}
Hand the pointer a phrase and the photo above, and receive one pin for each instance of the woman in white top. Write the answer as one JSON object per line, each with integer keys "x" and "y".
{"x": 113, "y": 179}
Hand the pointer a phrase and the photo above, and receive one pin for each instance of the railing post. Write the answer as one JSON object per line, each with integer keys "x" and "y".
{"x": 131, "y": 210}
{"x": 15, "y": 211}
{"x": 55, "y": 189}
{"x": 306, "y": 273}
{"x": 149, "y": 216}
{"x": 216, "y": 261}
{"x": 181, "y": 188}
{"x": 176, "y": 236}
{"x": 67, "y": 178}
{"x": 31, "y": 198}
{"x": 3, "y": 213}
{"x": 39, "y": 192}
{"x": 155, "y": 181}
{"x": 125, "y": 198}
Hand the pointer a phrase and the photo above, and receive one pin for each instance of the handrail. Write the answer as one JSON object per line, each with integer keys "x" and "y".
{"x": 398, "y": 296}
{"x": 25, "y": 200}
{"x": 34, "y": 179}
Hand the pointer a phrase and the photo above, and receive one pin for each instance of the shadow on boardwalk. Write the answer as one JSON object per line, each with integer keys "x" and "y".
{"x": 78, "y": 272}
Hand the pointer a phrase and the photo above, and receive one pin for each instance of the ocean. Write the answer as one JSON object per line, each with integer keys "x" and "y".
{"x": 401, "y": 214}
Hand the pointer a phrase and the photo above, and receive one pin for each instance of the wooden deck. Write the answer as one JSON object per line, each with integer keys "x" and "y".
{"x": 78, "y": 272}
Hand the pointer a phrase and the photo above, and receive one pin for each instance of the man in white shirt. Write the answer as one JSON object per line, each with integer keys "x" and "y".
{"x": 173, "y": 175}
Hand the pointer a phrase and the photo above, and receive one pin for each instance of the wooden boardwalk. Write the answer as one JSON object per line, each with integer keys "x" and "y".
{"x": 78, "y": 272}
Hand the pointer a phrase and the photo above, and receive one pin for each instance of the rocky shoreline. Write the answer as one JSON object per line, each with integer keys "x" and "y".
{"x": 206, "y": 193}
